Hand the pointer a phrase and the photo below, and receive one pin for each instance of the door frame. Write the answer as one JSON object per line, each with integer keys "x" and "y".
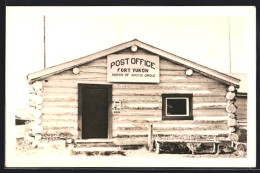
{"x": 109, "y": 107}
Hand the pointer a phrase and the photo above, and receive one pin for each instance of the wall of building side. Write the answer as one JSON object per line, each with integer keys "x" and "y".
{"x": 241, "y": 102}
{"x": 141, "y": 104}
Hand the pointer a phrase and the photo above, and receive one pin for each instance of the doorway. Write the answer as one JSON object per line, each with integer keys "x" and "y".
{"x": 94, "y": 105}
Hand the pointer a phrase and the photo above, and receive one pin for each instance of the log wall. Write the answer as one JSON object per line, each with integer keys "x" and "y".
{"x": 241, "y": 103}
{"x": 141, "y": 103}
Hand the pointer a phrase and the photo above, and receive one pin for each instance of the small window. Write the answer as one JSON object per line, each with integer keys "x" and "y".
{"x": 177, "y": 107}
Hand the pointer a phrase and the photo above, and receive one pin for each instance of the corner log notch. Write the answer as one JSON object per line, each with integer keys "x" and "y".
{"x": 231, "y": 108}
{"x": 35, "y": 105}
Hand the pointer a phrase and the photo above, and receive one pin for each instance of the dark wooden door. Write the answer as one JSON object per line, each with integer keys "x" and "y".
{"x": 95, "y": 111}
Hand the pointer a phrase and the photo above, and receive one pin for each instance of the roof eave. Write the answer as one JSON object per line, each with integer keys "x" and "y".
{"x": 68, "y": 65}
{"x": 225, "y": 78}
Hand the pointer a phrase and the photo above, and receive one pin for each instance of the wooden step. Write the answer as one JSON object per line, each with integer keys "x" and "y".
{"x": 87, "y": 143}
{"x": 96, "y": 149}
{"x": 93, "y": 141}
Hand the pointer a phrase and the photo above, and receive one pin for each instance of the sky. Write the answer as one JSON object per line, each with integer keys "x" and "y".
{"x": 207, "y": 36}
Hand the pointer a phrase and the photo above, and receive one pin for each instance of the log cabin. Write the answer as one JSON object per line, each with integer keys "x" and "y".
{"x": 118, "y": 93}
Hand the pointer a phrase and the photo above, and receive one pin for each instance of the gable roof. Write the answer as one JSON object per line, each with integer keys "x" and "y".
{"x": 174, "y": 58}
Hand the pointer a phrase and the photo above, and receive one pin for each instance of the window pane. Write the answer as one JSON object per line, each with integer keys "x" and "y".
{"x": 176, "y": 107}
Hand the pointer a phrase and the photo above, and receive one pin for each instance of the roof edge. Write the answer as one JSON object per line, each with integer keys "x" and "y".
{"x": 70, "y": 64}
{"x": 190, "y": 64}
{"x": 177, "y": 59}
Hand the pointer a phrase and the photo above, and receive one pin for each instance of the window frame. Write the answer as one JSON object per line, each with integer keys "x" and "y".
{"x": 177, "y": 117}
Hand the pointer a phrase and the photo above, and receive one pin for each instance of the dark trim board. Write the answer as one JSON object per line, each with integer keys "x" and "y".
{"x": 109, "y": 101}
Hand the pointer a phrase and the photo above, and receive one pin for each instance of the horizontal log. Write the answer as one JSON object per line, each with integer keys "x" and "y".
{"x": 163, "y": 79}
{"x": 137, "y": 118}
{"x": 172, "y": 72}
{"x": 131, "y": 103}
{"x": 158, "y": 99}
{"x": 242, "y": 124}
{"x": 136, "y": 112}
{"x": 135, "y": 102}
{"x": 69, "y": 83}
{"x": 74, "y": 84}
{"x": 158, "y": 113}
{"x": 185, "y": 79}
{"x": 158, "y": 106}
{"x": 73, "y": 132}
{"x": 214, "y": 105}
{"x": 210, "y": 112}
{"x": 218, "y": 120}
{"x": 164, "y": 86}
{"x": 176, "y": 127}
{"x": 61, "y": 110}
{"x": 60, "y": 83}
{"x": 209, "y": 99}
{"x": 241, "y": 106}
{"x": 166, "y": 125}
{"x": 177, "y": 132}
{"x": 86, "y": 69}
{"x": 166, "y": 64}
{"x": 241, "y": 116}
{"x": 241, "y": 101}
{"x": 211, "y": 118}
{"x": 241, "y": 112}
{"x": 201, "y": 93}
{"x": 202, "y": 84}
{"x": 52, "y": 125}
{"x": 61, "y": 100}
{"x": 80, "y": 79}
{"x": 67, "y": 104}
{"x": 78, "y": 76}
{"x": 59, "y": 128}
{"x": 156, "y": 120}
{"x": 142, "y": 106}
{"x": 61, "y": 90}
{"x": 90, "y": 69}
{"x": 242, "y": 120}
{"x": 142, "y": 99}
{"x": 59, "y": 117}
{"x": 59, "y": 96}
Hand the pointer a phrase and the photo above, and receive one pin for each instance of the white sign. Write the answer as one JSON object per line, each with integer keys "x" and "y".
{"x": 116, "y": 106}
{"x": 133, "y": 68}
